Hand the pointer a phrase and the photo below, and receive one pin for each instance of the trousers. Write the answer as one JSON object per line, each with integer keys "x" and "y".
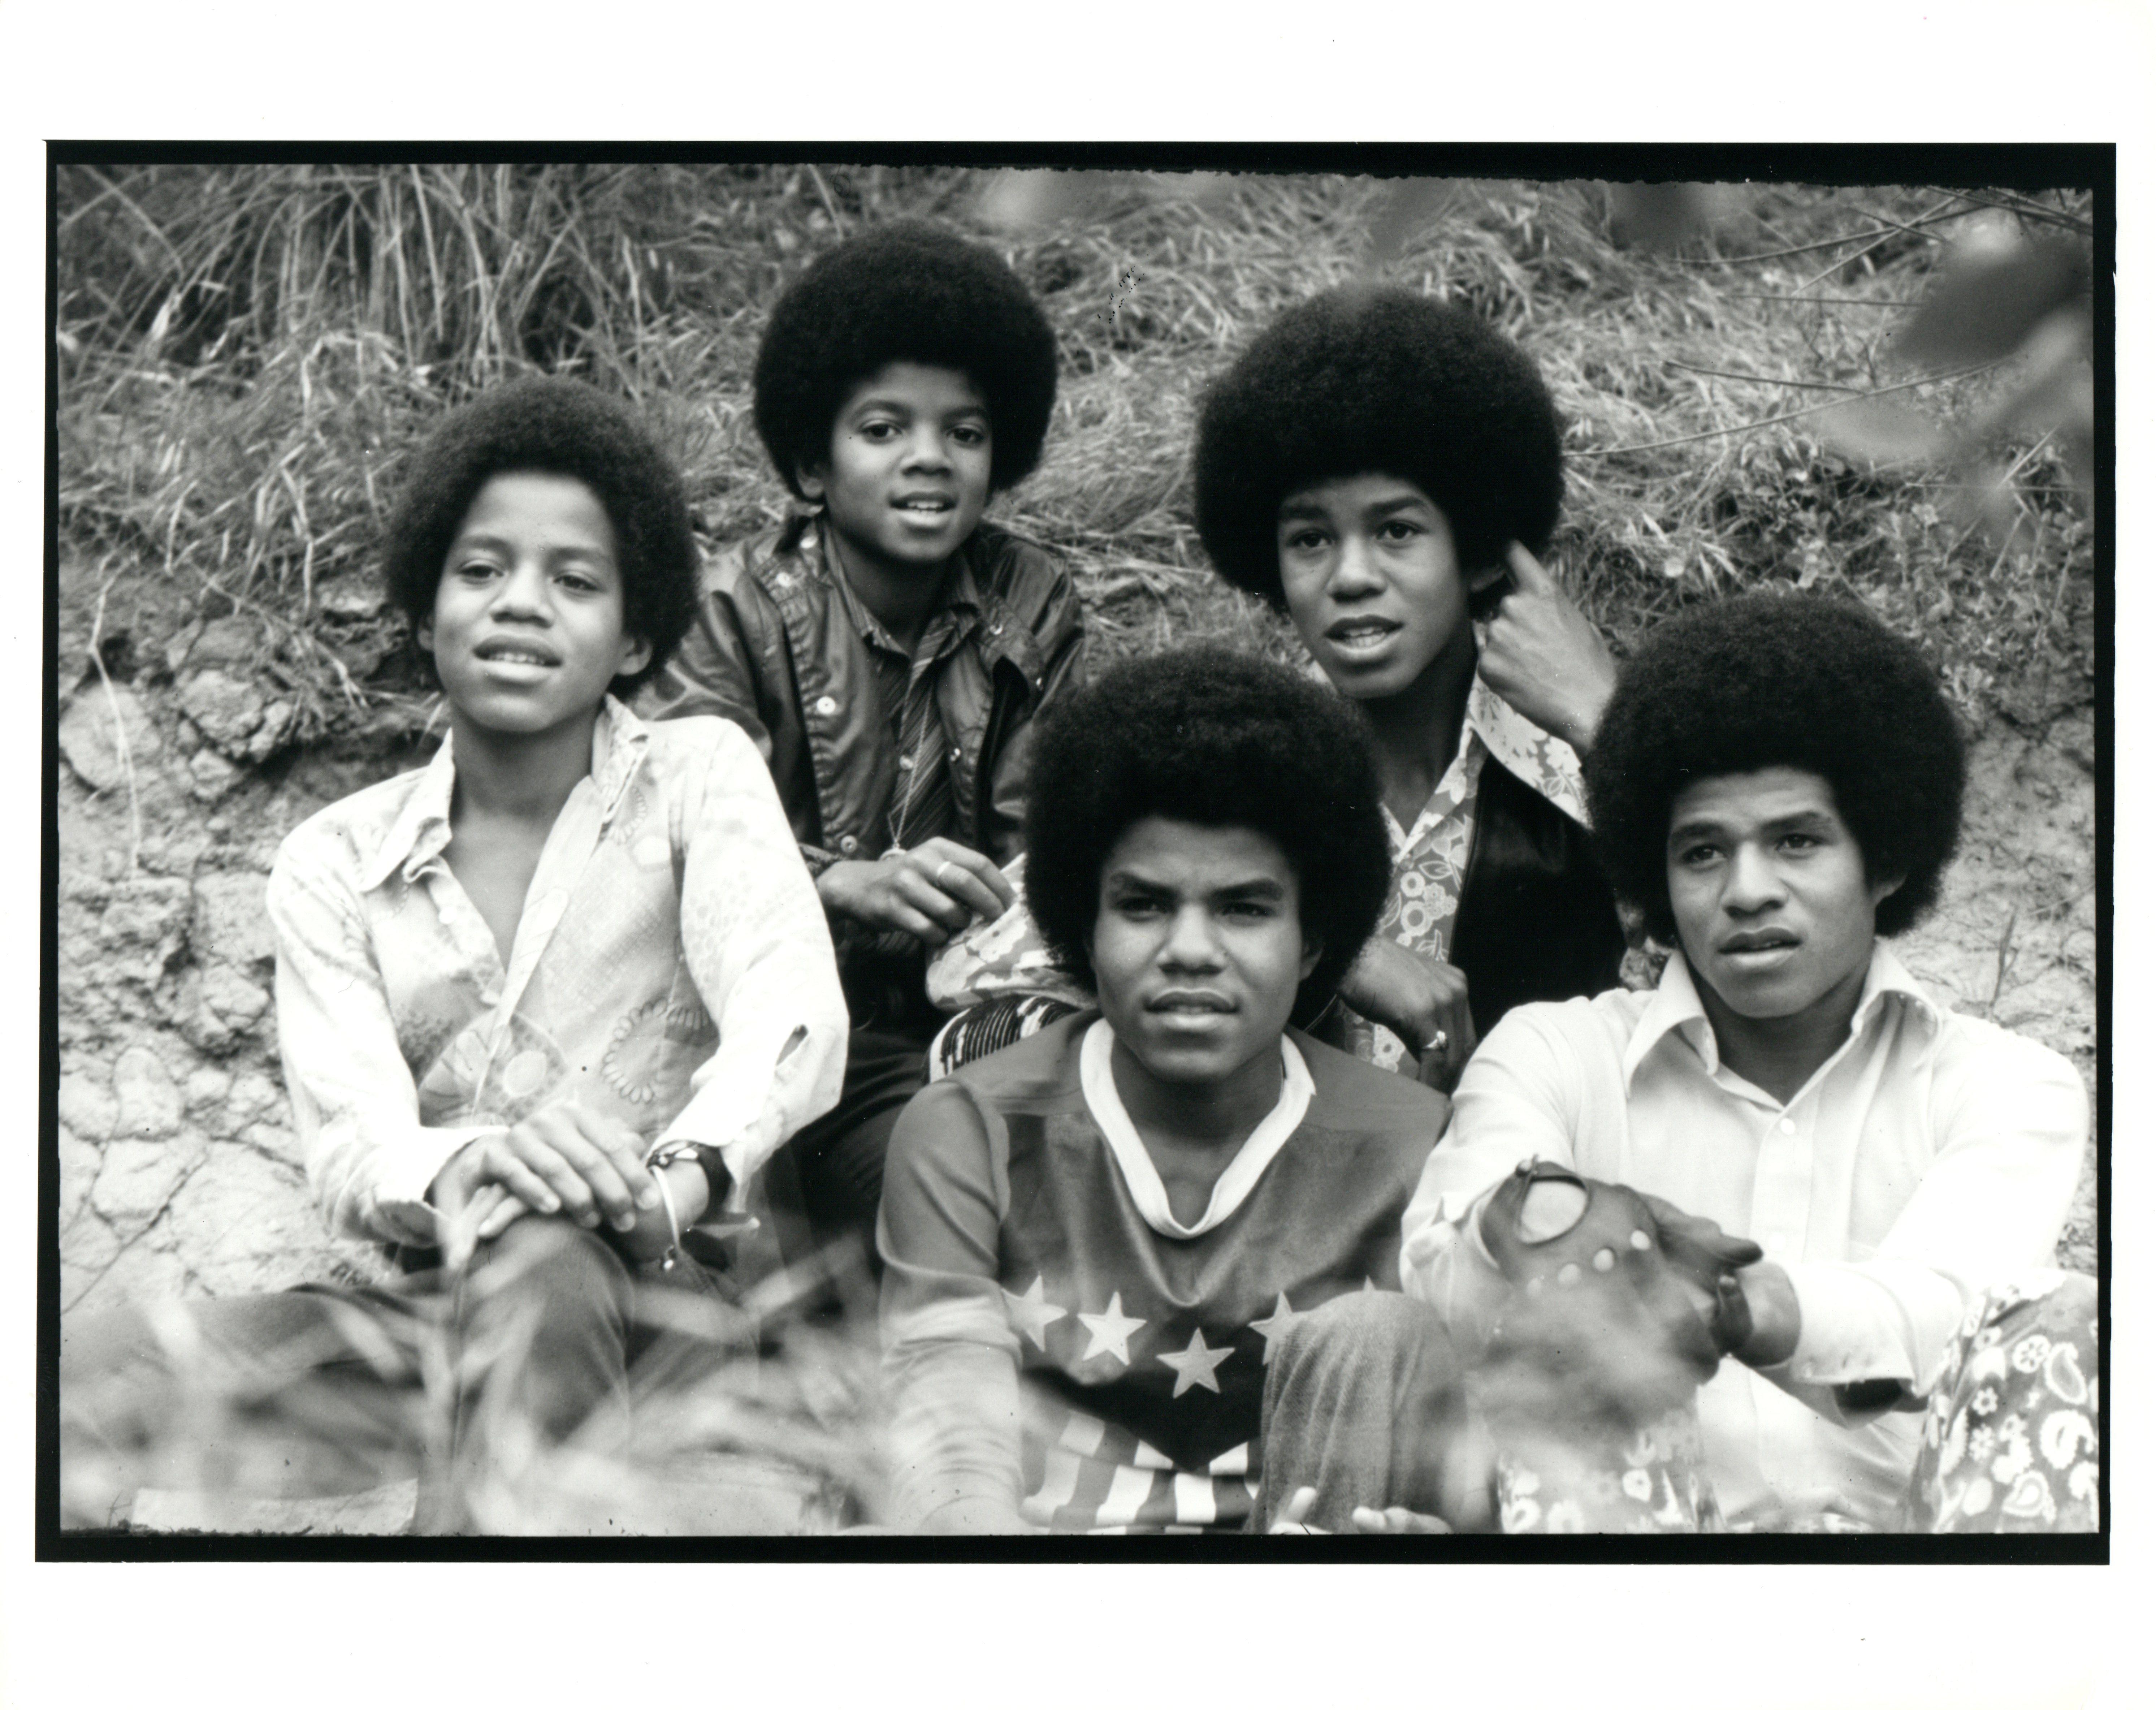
{"x": 1369, "y": 1402}
{"x": 459, "y": 1380}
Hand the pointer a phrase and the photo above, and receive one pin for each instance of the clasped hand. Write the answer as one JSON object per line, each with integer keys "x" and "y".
{"x": 1419, "y": 1000}
{"x": 560, "y": 1162}
{"x": 933, "y": 891}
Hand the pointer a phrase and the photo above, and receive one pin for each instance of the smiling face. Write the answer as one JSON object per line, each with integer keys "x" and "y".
{"x": 907, "y": 476}
{"x": 527, "y": 630}
{"x": 1197, "y": 950}
{"x": 1373, "y": 584}
{"x": 1772, "y": 902}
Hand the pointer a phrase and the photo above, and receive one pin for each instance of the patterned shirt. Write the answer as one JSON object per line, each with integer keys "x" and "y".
{"x": 1060, "y": 1344}
{"x": 1931, "y": 1155}
{"x": 1430, "y": 860}
{"x": 671, "y": 971}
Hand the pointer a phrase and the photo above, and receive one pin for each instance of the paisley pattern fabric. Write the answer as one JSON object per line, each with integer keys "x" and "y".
{"x": 1429, "y": 859}
{"x": 1653, "y": 1481}
{"x": 2011, "y": 1438}
{"x": 2010, "y": 1441}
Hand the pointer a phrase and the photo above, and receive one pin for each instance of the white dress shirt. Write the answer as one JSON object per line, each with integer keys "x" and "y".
{"x": 671, "y": 971}
{"x": 1932, "y": 1154}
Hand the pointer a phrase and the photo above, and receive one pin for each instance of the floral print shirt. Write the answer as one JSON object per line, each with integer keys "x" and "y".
{"x": 671, "y": 971}
{"x": 1430, "y": 860}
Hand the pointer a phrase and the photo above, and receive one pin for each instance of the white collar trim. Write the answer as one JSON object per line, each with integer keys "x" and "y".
{"x": 1097, "y": 1080}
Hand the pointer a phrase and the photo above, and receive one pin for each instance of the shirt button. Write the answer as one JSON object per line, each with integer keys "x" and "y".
{"x": 1786, "y": 1126}
{"x": 847, "y": 845}
{"x": 995, "y": 629}
{"x": 956, "y": 752}
{"x": 906, "y": 762}
{"x": 826, "y": 705}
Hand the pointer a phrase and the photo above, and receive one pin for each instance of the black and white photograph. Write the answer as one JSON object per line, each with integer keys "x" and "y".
{"x": 850, "y": 849}
{"x": 921, "y": 866}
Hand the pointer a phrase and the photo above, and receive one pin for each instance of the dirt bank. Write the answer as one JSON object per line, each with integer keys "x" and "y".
{"x": 178, "y": 1170}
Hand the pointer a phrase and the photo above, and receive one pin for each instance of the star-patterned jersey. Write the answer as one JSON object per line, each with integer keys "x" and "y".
{"x": 1026, "y": 1236}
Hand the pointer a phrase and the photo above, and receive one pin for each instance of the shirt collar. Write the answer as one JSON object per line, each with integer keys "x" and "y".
{"x": 1543, "y": 763}
{"x": 420, "y": 832}
{"x": 962, "y": 596}
{"x": 1675, "y": 1007}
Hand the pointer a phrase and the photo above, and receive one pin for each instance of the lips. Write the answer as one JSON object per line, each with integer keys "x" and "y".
{"x": 520, "y": 653}
{"x": 1182, "y": 1002}
{"x": 1760, "y": 942}
{"x": 925, "y": 504}
{"x": 1353, "y": 630}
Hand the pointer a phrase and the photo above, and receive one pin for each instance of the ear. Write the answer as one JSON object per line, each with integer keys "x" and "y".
{"x": 1487, "y": 576}
{"x": 810, "y": 478}
{"x": 424, "y": 636}
{"x": 635, "y": 654}
{"x": 1881, "y": 889}
{"x": 1313, "y": 951}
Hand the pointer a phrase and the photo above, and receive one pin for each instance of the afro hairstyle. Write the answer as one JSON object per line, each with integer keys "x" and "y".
{"x": 554, "y": 426}
{"x": 1217, "y": 738}
{"x": 1780, "y": 680}
{"x": 906, "y": 292}
{"x": 1375, "y": 380}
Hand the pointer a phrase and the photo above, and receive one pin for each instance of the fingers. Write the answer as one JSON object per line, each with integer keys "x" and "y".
{"x": 507, "y": 1212}
{"x": 593, "y": 1166}
{"x": 968, "y": 875}
{"x": 1295, "y": 1517}
{"x": 1528, "y": 575}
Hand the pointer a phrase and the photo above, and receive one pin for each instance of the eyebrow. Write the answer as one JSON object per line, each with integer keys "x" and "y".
{"x": 1251, "y": 890}
{"x": 1804, "y": 820}
{"x": 900, "y": 407}
{"x": 480, "y": 537}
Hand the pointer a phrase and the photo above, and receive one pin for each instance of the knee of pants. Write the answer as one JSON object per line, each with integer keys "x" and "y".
{"x": 1370, "y": 1326}
{"x": 570, "y": 1273}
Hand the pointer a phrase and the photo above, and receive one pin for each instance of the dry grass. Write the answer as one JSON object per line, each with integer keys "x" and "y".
{"x": 250, "y": 353}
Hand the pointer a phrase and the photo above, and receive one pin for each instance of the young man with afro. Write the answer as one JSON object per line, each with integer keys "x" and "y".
{"x": 544, "y": 1003}
{"x": 1094, "y": 1239}
{"x": 1384, "y": 467}
{"x": 1863, "y": 1184}
{"x": 888, "y": 652}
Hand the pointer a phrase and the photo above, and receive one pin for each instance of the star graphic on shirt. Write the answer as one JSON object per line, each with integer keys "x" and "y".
{"x": 1283, "y": 1316}
{"x": 1195, "y": 1365}
{"x": 1109, "y": 1332}
{"x": 1031, "y": 1315}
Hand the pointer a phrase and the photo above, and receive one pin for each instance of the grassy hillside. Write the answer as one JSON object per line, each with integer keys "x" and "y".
{"x": 248, "y": 354}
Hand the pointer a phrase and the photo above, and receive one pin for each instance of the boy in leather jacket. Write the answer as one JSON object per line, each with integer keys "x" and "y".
{"x": 887, "y": 651}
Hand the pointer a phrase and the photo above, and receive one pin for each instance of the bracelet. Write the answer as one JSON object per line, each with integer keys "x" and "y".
{"x": 668, "y": 1259}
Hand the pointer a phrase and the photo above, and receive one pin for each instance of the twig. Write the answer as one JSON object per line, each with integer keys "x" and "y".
{"x": 824, "y": 190}
{"x": 1837, "y": 302}
{"x": 2032, "y": 210}
{"x": 2005, "y": 959}
{"x": 1763, "y": 379}
{"x": 1890, "y": 227}
{"x": 1809, "y": 410}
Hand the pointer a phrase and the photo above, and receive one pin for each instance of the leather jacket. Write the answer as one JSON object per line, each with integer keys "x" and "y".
{"x": 773, "y": 649}
{"x": 1537, "y": 921}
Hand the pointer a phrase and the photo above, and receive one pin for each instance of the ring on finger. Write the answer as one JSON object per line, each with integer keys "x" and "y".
{"x": 941, "y": 868}
{"x": 1436, "y": 1042}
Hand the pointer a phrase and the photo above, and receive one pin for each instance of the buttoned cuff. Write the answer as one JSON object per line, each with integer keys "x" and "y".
{"x": 1851, "y": 1327}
